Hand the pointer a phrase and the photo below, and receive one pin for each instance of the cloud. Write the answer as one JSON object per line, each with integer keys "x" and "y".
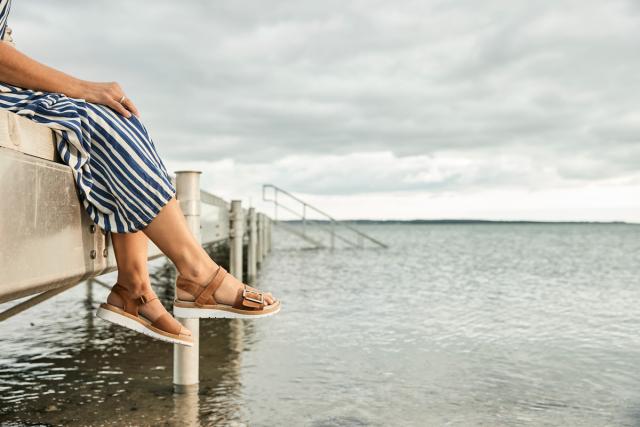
{"x": 384, "y": 172}
{"x": 350, "y": 97}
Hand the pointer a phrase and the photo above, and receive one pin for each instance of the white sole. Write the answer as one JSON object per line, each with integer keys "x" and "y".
{"x": 209, "y": 313}
{"x": 125, "y": 322}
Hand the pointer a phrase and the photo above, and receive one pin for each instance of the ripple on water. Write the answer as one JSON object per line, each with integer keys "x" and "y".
{"x": 453, "y": 324}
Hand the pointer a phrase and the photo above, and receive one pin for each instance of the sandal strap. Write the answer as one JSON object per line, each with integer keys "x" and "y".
{"x": 190, "y": 287}
{"x": 121, "y": 291}
{"x": 131, "y": 305}
{"x": 250, "y": 297}
{"x": 206, "y": 294}
{"x": 146, "y": 298}
{"x": 167, "y": 323}
{"x": 128, "y": 304}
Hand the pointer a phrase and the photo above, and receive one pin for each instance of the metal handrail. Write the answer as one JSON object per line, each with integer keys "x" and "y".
{"x": 305, "y": 206}
{"x": 213, "y": 200}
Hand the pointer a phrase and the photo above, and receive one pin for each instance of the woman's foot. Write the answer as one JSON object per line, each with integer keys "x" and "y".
{"x": 143, "y": 312}
{"x": 215, "y": 293}
{"x": 152, "y": 310}
{"x": 225, "y": 294}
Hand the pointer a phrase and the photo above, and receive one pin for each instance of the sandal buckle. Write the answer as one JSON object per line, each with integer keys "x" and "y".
{"x": 247, "y": 294}
{"x": 142, "y": 300}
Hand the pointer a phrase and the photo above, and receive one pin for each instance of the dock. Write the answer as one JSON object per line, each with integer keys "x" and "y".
{"x": 49, "y": 244}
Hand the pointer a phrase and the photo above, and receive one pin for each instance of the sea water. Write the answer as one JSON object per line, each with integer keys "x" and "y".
{"x": 464, "y": 324}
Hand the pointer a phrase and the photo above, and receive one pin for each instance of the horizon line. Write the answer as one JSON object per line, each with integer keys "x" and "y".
{"x": 469, "y": 221}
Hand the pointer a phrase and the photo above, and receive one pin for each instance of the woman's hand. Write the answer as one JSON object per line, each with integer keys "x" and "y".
{"x": 109, "y": 94}
{"x": 19, "y": 70}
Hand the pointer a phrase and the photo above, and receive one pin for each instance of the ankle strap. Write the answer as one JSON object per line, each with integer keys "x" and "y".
{"x": 211, "y": 287}
{"x": 131, "y": 304}
{"x": 146, "y": 297}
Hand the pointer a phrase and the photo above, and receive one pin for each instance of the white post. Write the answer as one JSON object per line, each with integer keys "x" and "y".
{"x": 252, "y": 268}
{"x": 235, "y": 241}
{"x": 275, "y": 203}
{"x": 260, "y": 251}
{"x": 263, "y": 236}
{"x": 269, "y": 229}
{"x": 89, "y": 285}
{"x": 185, "y": 359}
{"x": 266, "y": 235}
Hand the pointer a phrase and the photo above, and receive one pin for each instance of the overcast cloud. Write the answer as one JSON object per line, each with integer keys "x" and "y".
{"x": 411, "y": 108}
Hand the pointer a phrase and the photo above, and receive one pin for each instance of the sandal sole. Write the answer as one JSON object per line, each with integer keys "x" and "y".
{"x": 126, "y": 322}
{"x": 213, "y": 313}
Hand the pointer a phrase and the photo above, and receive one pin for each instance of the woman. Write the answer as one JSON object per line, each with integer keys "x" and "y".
{"x": 126, "y": 190}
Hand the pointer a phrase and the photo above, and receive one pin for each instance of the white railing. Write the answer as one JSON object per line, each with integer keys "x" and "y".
{"x": 301, "y": 211}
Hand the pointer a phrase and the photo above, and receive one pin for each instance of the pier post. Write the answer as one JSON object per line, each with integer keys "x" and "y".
{"x": 259, "y": 250}
{"x": 269, "y": 228}
{"x": 89, "y": 288}
{"x": 263, "y": 236}
{"x": 185, "y": 359}
{"x": 252, "y": 268}
{"x": 236, "y": 235}
{"x": 266, "y": 235}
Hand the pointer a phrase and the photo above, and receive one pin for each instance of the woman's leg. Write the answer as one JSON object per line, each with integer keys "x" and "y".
{"x": 131, "y": 257}
{"x": 170, "y": 233}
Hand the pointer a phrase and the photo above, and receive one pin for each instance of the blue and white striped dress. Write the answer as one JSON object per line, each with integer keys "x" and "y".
{"x": 121, "y": 181}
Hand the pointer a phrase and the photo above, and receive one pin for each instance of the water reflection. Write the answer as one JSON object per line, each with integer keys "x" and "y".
{"x": 186, "y": 408}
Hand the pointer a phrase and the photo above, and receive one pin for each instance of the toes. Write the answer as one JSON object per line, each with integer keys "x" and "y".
{"x": 185, "y": 331}
{"x": 269, "y": 298}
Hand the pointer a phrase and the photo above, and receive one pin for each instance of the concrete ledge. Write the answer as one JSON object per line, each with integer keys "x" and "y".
{"x": 27, "y": 137}
{"x": 47, "y": 240}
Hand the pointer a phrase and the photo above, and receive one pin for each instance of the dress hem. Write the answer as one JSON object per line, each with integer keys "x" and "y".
{"x": 139, "y": 225}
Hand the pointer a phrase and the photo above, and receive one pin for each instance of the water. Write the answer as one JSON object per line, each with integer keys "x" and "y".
{"x": 452, "y": 325}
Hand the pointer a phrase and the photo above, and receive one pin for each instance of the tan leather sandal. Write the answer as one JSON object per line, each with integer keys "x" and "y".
{"x": 164, "y": 328}
{"x": 249, "y": 303}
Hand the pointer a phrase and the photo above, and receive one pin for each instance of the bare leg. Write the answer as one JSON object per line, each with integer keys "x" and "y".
{"x": 131, "y": 256}
{"x": 170, "y": 233}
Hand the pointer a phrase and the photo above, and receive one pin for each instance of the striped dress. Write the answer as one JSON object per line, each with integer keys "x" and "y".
{"x": 120, "y": 179}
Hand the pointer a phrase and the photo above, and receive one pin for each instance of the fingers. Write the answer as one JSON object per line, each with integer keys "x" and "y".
{"x": 111, "y": 95}
{"x": 125, "y": 105}
{"x": 129, "y": 105}
{"x": 119, "y": 108}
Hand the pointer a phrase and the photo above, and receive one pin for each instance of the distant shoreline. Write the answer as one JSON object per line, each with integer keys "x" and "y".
{"x": 471, "y": 221}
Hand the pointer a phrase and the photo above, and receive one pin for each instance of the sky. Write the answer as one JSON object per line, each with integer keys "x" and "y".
{"x": 401, "y": 109}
